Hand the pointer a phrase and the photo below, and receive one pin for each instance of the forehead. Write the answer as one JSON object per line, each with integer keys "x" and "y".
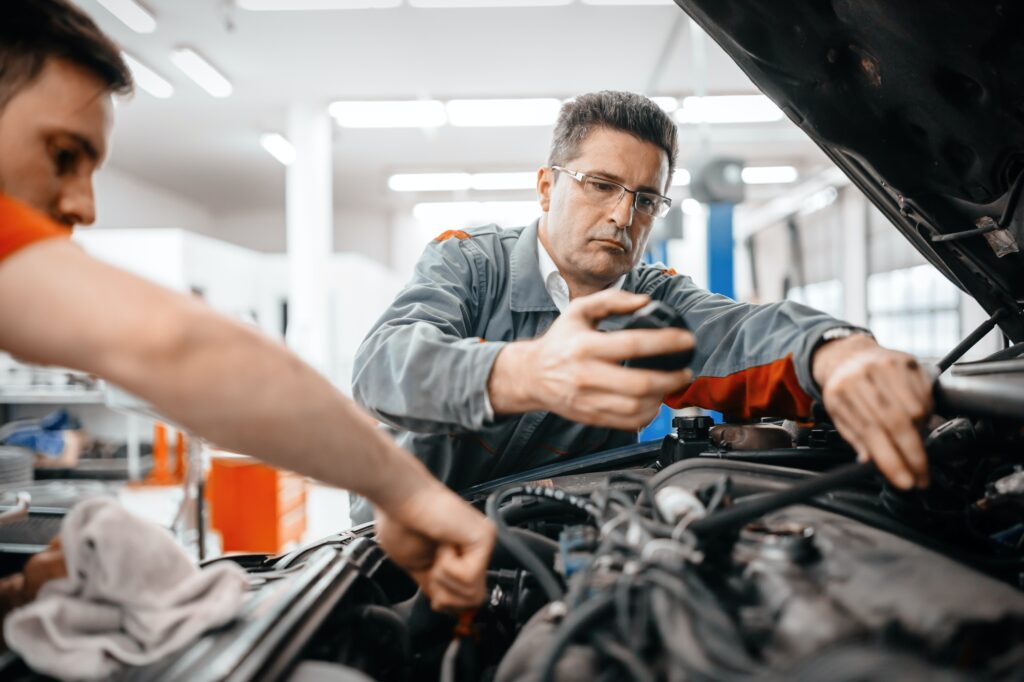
{"x": 626, "y": 156}
{"x": 63, "y": 99}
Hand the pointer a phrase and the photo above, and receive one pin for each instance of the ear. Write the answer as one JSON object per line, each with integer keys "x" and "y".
{"x": 545, "y": 185}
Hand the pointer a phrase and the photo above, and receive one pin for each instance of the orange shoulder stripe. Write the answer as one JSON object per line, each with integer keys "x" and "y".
{"x": 448, "y": 234}
{"x": 770, "y": 390}
{"x": 21, "y": 226}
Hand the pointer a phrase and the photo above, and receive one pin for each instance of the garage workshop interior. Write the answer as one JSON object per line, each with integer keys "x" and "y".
{"x": 511, "y": 340}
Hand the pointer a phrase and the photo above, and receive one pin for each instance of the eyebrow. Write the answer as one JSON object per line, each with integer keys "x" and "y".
{"x": 87, "y": 146}
{"x": 615, "y": 178}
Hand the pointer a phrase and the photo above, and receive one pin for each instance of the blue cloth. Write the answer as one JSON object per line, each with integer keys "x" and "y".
{"x": 44, "y": 436}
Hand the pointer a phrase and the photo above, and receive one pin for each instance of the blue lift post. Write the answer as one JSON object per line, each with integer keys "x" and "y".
{"x": 720, "y": 281}
{"x": 720, "y": 258}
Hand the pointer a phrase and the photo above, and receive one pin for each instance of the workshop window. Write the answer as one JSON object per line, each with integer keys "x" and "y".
{"x": 824, "y": 296}
{"x": 915, "y": 310}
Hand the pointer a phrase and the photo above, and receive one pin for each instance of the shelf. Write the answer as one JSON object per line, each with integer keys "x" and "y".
{"x": 53, "y": 398}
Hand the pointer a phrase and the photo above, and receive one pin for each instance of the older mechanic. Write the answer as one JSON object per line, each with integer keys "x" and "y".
{"x": 218, "y": 378}
{"x": 490, "y": 361}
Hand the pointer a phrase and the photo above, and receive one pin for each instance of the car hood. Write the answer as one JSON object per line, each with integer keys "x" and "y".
{"x": 920, "y": 103}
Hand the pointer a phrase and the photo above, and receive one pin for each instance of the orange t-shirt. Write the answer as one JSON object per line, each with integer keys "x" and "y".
{"x": 21, "y": 226}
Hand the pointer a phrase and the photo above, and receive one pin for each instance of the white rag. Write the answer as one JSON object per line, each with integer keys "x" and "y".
{"x": 131, "y": 597}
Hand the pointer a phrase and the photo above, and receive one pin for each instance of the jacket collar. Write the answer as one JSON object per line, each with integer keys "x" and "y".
{"x": 527, "y": 292}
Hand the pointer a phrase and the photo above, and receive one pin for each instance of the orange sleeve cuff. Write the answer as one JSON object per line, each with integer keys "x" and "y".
{"x": 21, "y": 226}
{"x": 770, "y": 390}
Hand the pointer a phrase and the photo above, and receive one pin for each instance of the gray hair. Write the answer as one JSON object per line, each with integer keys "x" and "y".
{"x": 625, "y": 111}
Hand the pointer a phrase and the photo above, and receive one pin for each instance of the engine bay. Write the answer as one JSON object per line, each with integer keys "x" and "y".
{"x": 622, "y": 574}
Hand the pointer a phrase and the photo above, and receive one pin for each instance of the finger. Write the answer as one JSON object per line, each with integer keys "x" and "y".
{"x": 461, "y": 573}
{"x": 904, "y": 390}
{"x": 604, "y": 303}
{"x": 626, "y": 413}
{"x": 885, "y": 455}
{"x": 639, "y": 343}
{"x": 614, "y": 379}
{"x": 895, "y": 421}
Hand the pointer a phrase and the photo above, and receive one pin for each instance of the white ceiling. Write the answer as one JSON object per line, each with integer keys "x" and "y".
{"x": 207, "y": 149}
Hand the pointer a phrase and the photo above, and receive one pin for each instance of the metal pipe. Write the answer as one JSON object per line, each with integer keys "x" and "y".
{"x": 972, "y": 338}
{"x": 746, "y": 510}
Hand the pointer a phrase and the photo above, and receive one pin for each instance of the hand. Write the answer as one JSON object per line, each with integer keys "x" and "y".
{"x": 575, "y": 371}
{"x": 877, "y": 398}
{"x": 443, "y": 543}
{"x": 43, "y": 567}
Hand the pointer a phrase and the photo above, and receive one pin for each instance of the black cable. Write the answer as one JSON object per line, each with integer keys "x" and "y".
{"x": 746, "y": 510}
{"x": 573, "y": 624}
{"x": 625, "y": 657}
{"x": 516, "y": 547}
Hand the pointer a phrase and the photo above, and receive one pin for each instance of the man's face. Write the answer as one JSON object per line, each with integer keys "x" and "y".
{"x": 53, "y": 137}
{"x": 592, "y": 243}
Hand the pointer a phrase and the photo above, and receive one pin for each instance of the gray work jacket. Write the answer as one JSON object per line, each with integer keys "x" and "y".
{"x": 424, "y": 367}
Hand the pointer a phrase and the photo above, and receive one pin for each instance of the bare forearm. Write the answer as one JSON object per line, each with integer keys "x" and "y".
{"x": 218, "y": 378}
{"x": 245, "y": 392}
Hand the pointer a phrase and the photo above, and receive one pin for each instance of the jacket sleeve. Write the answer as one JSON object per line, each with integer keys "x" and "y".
{"x": 751, "y": 360}
{"x": 420, "y": 368}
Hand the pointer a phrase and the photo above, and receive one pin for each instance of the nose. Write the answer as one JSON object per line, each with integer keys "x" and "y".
{"x": 623, "y": 211}
{"x": 76, "y": 204}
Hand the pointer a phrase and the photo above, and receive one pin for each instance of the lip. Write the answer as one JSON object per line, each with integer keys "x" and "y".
{"x": 611, "y": 242}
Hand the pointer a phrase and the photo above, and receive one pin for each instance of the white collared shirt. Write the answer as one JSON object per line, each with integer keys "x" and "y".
{"x": 559, "y": 292}
{"x": 555, "y": 283}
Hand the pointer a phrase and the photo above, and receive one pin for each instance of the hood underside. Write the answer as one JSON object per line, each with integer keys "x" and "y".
{"x": 920, "y": 102}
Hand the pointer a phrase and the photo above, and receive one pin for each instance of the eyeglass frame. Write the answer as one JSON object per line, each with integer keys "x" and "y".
{"x": 581, "y": 178}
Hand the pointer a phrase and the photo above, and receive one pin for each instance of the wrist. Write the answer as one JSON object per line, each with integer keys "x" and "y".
{"x": 510, "y": 383}
{"x": 833, "y": 352}
{"x": 398, "y": 476}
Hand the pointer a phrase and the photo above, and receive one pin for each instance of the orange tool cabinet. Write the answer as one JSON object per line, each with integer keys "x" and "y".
{"x": 255, "y": 507}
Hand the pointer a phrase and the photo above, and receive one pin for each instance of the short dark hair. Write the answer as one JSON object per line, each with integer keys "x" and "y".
{"x": 33, "y": 31}
{"x": 625, "y": 111}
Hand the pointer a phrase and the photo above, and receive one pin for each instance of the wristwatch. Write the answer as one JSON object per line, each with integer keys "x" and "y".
{"x": 842, "y": 332}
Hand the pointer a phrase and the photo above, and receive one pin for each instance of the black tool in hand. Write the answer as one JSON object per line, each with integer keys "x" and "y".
{"x": 654, "y": 315}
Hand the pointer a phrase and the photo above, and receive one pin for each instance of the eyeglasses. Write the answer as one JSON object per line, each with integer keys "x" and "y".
{"x": 605, "y": 192}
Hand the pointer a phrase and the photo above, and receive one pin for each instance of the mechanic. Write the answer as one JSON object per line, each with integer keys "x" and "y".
{"x": 218, "y": 378}
{"x": 499, "y": 325}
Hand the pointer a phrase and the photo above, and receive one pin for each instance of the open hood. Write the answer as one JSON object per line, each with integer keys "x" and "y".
{"x": 920, "y": 103}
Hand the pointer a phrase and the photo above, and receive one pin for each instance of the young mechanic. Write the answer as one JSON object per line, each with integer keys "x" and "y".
{"x": 220, "y": 379}
{"x": 500, "y": 324}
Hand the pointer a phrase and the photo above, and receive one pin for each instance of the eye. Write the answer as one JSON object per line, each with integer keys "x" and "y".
{"x": 602, "y": 186}
{"x": 646, "y": 200}
{"x": 65, "y": 160}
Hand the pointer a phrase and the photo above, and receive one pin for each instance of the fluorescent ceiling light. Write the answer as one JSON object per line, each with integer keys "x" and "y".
{"x": 400, "y": 114}
{"x": 728, "y": 109}
{"x": 429, "y": 182}
{"x": 201, "y": 71}
{"x": 769, "y": 175}
{"x": 492, "y": 181}
{"x": 447, "y": 4}
{"x": 667, "y": 104}
{"x": 302, "y": 5}
{"x": 454, "y": 182}
{"x": 503, "y": 112}
{"x": 279, "y": 147}
{"x": 132, "y": 14}
{"x": 680, "y": 177}
{"x": 692, "y": 207}
{"x": 147, "y": 79}
{"x": 448, "y": 213}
